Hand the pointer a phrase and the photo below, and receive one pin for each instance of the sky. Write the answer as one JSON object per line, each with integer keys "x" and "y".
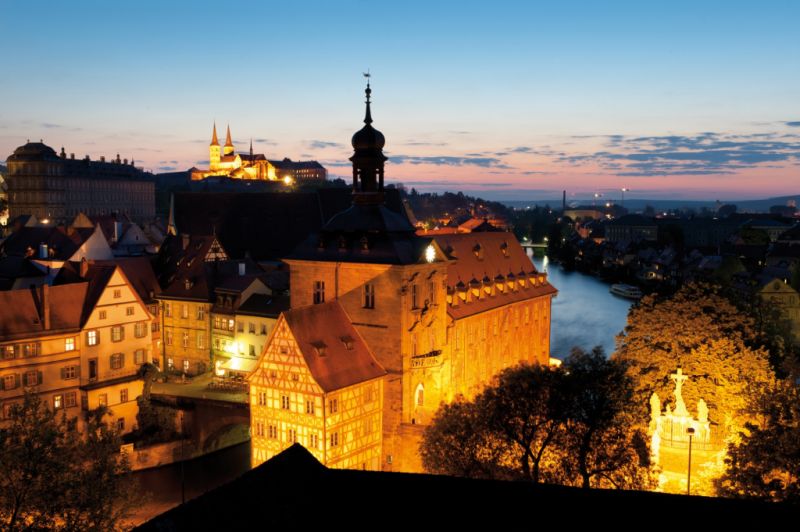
{"x": 508, "y": 100}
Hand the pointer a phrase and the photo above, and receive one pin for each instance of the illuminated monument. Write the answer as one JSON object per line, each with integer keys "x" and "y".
{"x": 417, "y": 321}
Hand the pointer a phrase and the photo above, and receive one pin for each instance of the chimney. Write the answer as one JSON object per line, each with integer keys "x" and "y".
{"x": 84, "y": 268}
{"x": 46, "y": 306}
{"x": 241, "y": 268}
{"x": 43, "y": 251}
{"x": 185, "y": 240}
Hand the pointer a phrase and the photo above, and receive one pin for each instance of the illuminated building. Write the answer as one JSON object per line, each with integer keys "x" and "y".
{"x": 224, "y": 161}
{"x": 441, "y": 315}
{"x": 56, "y": 188}
{"x": 79, "y": 345}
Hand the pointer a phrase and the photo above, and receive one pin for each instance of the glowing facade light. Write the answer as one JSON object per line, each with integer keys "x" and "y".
{"x": 287, "y": 180}
{"x": 430, "y": 253}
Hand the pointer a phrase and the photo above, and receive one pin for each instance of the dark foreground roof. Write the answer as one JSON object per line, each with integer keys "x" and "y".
{"x": 293, "y": 491}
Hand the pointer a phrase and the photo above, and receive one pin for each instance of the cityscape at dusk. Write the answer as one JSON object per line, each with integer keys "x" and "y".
{"x": 296, "y": 265}
{"x": 517, "y": 100}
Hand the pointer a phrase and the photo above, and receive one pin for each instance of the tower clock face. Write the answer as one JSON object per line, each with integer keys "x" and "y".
{"x": 430, "y": 253}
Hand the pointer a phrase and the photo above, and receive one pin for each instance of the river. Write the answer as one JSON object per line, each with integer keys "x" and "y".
{"x": 584, "y": 314}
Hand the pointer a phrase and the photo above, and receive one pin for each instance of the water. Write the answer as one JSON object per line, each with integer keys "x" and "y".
{"x": 584, "y": 314}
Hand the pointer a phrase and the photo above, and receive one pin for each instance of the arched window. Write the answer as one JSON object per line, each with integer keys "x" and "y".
{"x": 420, "y": 395}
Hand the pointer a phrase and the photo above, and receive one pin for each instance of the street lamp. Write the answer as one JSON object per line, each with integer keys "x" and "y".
{"x": 624, "y": 190}
{"x": 690, "y": 432}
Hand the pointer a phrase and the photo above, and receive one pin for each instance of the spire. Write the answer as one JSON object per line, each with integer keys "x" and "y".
{"x": 228, "y": 141}
{"x": 251, "y": 148}
{"x": 214, "y": 141}
{"x": 368, "y": 92}
{"x": 368, "y": 159}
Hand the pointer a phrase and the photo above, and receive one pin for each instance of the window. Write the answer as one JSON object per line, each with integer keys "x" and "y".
{"x": 58, "y": 401}
{"x": 201, "y": 340}
{"x": 117, "y": 294}
{"x": 201, "y": 314}
{"x": 70, "y": 400}
{"x": 369, "y": 395}
{"x": 69, "y": 372}
{"x": 263, "y": 328}
{"x": 310, "y": 407}
{"x": 138, "y": 357}
{"x": 117, "y": 333}
{"x": 121, "y": 424}
{"x": 313, "y": 441}
{"x": 285, "y": 402}
{"x": 369, "y": 296}
{"x": 252, "y": 350}
{"x": 185, "y": 365}
{"x": 102, "y": 399}
{"x": 230, "y": 325}
{"x": 92, "y": 369}
{"x": 432, "y": 296}
{"x": 170, "y": 364}
{"x": 129, "y": 311}
{"x": 117, "y": 361}
{"x": 319, "y": 292}
{"x": 8, "y": 351}
{"x": 184, "y": 311}
{"x": 102, "y": 315}
{"x": 273, "y": 432}
{"x": 262, "y": 398}
{"x": 31, "y": 378}
{"x": 10, "y": 381}
{"x": 333, "y": 406}
{"x": 334, "y": 439}
{"x": 168, "y": 337}
{"x": 69, "y": 344}
{"x": 140, "y": 329}
{"x": 123, "y": 395}
{"x": 292, "y": 436}
{"x": 251, "y": 327}
{"x": 92, "y": 338}
{"x": 240, "y": 326}
{"x": 185, "y": 339}
{"x": 414, "y": 296}
{"x": 420, "y": 395}
{"x": 167, "y": 310}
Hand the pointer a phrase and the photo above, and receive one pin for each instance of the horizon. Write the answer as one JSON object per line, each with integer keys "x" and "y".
{"x": 683, "y": 102}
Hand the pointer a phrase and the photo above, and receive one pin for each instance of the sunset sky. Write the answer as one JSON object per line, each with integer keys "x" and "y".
{"x": 511, "y": 100}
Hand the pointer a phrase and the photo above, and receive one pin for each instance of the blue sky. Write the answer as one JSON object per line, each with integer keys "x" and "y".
{"x": 668, "y": 98}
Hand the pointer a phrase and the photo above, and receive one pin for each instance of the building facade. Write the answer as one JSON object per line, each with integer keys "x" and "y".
{"x": 56, "y": 188}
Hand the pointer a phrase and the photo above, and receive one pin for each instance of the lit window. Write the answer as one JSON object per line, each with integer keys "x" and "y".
{"x": 185, "y": 339}
{"x": 369, "y": 296}
{"x": 69, "y": 344}
{"x": 201, "y": 340}
{"x": 185, "y": 366}
{"x": 201, "y": 313}
{"x": 117, "y": 333}
{"x": 117, "y": 360}
{"x": 184, "y": 311}
{"x": 58, "y": 401}
{"x": 92, "y": 338}
{"x": 420, "y": 395}
{"x": 102, "y": 399}
{"x": 319, "y": 292}
{"x": 170, "y": 363}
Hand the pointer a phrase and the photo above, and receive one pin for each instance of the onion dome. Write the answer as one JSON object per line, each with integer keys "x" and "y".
{"x": 368, "y": 138}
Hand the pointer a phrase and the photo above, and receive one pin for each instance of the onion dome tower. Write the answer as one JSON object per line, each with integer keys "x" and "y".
{"x": 368, "y": 160}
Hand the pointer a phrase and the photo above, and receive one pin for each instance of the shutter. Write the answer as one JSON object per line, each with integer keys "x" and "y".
{"x": 16, "y": 380}
{"x": 2, "y": 383}
{"x": 63, "y": 374}
{"x": 121, "y": 359}
{"x": 40, "y": 377}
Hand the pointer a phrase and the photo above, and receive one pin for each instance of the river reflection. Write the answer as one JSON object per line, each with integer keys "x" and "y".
{"x": 584, "y": 313}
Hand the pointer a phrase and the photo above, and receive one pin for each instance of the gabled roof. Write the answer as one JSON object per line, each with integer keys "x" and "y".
{"x": 63, "y": 242}
{"x": 264, "y": 305}
{"x": 182, "y": 270}
{"x": 484, "y": 257}
{"x": 22, "y": 312}
{"x": 334, "y": 351}
{"x": 140, "y": 273}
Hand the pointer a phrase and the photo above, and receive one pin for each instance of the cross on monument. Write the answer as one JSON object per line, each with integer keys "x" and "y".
{"x": 679, "y": 377}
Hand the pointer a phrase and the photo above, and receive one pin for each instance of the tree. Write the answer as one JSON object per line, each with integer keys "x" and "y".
{"x": 559, "y": 425}
{"x": 54, "y": 477}
{"x": 765, "y": 463}
{"x": 702, "y": 332}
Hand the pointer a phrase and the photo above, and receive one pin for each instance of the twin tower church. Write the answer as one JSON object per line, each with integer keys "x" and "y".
{"x": 386, "y": 324}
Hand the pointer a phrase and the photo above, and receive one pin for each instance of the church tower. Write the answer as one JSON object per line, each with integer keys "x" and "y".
{"x": 228, "y": 148}
{"x": 214, "y": 150}
{"x": 368, "y": 161}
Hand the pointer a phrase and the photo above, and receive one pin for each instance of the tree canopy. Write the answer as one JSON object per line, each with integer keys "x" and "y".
{"x": 57, "y": 478}
{"x": 564, "y": 425}
{"x": 702, "y": 332}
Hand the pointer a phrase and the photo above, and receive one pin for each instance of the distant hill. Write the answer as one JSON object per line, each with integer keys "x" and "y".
{"x": 637, "y": 204}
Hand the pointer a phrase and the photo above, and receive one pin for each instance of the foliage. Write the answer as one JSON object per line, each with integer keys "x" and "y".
{"x": 765, "y": 463}
{"x": 563, "y": 425}
{"x": 702, "y": 332}
{"x": 54, "y": 477}
{"x": 155, "y": 423}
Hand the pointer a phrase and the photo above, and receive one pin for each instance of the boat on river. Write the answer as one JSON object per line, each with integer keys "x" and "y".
{"x": 625, "y": 290}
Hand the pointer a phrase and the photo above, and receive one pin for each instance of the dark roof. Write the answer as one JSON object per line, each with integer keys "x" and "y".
{"x": 327, "y": 326}
{"x": 14, "y": 267}
{"x": 263, "y": 225}
{"x": 22, "y": 311}
{"x": 792, "y": 234}
{"x": 633, "y": 220}
{"x": 294, "y": 491}
{"x": 288, "y": 164}
{"x": 34, "y": 151}
{"x": 64, "y": 242}
{"x": 140, "y": 273}
{"x": 487, "y": 257}
{"x": 269, "y": 306}
{"x": 183, "y": 272}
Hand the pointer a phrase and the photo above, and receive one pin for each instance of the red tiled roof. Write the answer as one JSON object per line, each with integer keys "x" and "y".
{"x": 22, "y": 311}
{"x": 321, "y": 332}
{"x": 483, "y": 258}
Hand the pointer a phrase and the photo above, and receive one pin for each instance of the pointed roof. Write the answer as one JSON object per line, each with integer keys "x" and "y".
{"x": 214, "y": 141}
{"x": 228, "y": 141}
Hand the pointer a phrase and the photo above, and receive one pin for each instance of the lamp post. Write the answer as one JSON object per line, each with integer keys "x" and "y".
{"x": 690, "y": 432}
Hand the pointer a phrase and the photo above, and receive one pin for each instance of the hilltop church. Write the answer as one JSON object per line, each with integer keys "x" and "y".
{"x": 385, "y": 325}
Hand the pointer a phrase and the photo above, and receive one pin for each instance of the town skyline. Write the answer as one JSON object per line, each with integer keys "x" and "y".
{"x": 670, "y": 103}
